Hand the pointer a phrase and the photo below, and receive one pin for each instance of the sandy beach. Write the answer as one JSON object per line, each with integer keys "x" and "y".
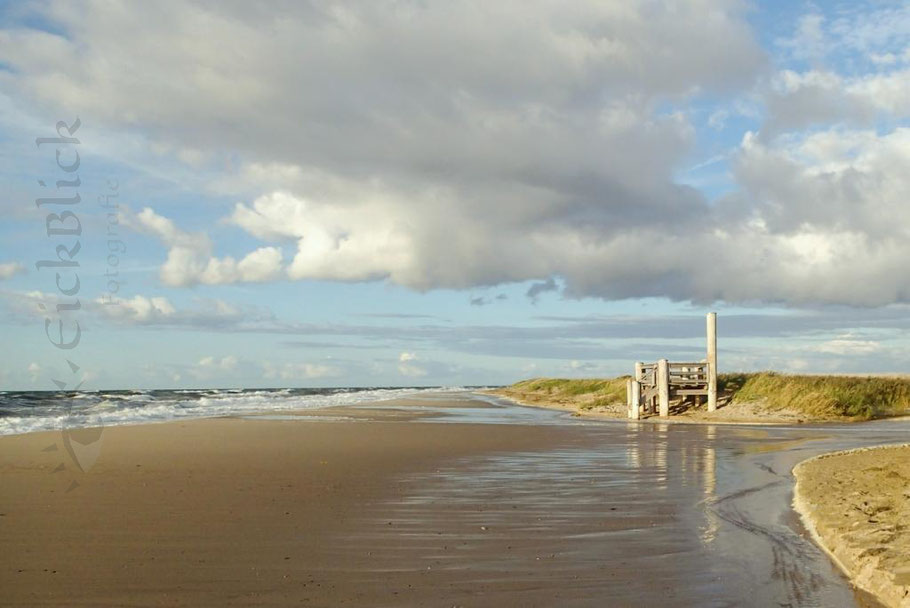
{"x": 857, "y": 504}
{"x": 444, "y": 500}
{"x": 215, "y": 512}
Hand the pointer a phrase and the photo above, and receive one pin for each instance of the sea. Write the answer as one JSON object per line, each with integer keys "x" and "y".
{"x": 31, "y": 411}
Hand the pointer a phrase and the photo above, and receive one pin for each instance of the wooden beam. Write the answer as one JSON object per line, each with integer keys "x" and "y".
{"x": 635, "y": 412}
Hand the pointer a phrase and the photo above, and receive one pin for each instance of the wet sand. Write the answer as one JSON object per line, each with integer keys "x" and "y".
{"x": 858, "y": 505}
{"x": 215, "y": 512}
{"x": 468, "y": 502}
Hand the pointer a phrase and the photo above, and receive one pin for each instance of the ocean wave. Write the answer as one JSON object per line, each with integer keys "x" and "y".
{"x": 31, "y": 412}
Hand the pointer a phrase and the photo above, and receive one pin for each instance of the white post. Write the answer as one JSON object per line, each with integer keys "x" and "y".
{"x": 636, "y": 400}
{"x": 663, "y": 387}
{"x": 629, "y": 382}
{"x": 712, "y": 361}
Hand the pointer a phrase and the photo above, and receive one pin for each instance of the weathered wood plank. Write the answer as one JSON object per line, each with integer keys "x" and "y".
{"x": 686, "y": 392}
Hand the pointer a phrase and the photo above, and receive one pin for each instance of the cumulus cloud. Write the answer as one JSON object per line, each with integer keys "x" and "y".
{"x": 542, "y": 123}
{"x": 544, "y": 147}
{"x": 190, "y": 260}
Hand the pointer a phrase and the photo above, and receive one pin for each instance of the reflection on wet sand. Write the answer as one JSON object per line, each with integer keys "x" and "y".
{"x": 695, "y": 465}
{"x": 594, "y": 521}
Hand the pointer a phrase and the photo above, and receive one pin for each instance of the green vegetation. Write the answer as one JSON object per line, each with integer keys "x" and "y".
{"x": 821, "y": 397}
{"x": 816, "y": 397}
{"x": 585, "y": 393}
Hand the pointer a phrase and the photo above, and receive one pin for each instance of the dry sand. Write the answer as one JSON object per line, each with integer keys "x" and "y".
{"x": 857, "y": 505}
{"x": 217, "y": 512}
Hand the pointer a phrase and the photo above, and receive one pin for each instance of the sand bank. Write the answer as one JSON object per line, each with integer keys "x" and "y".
{"x": 857, "y": 505}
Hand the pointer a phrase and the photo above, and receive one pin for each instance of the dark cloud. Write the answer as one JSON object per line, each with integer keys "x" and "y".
{"x": 538, "y": 288}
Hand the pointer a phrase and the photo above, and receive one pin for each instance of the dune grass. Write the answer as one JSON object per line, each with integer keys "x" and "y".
{"x": 816, "y": 397}
{"x": 822, "y": 397}
{"x": 585, "y": 393}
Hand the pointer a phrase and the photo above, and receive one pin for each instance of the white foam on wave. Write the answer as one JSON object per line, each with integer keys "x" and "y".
{"x": 132, "y": 410}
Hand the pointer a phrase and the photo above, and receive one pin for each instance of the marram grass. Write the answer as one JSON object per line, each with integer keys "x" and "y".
{"x": 816, "y": 397}
{"x": 586, "y": 393}
{"x": 825, "y": 397}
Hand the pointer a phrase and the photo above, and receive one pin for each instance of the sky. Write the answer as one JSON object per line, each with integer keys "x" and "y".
{"x": 409, "y": 193}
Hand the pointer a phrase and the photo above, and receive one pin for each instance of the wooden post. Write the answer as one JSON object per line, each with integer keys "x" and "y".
{"x": 629, "y": 382}
{"x": 663, "y": 387}
{"x": 639, "y": 372}
{"x": 636, "y": 400}
{"x": 712, "y": 361}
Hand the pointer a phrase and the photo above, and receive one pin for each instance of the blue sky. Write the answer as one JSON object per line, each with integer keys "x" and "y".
{"x": 391, "y": 194}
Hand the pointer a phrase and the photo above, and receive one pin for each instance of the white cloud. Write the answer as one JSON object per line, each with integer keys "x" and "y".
{"x": 10, "y": 269}
{"x": 138, "y": 309}
{"x": 849, "y": 346}
{"x": 190, "y": 261}
{"x": 159, "y": 310}
{"x": 407, "y": 366}
{"x": 34, "y": 371}
{"x": 227, "y": 363}
{"x": 802, "y": 99}
{"x": 300, "y": 371}
{"x": 211, "y": 368}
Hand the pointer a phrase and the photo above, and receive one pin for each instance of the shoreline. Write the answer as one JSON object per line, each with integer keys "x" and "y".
{"x": 857, "y": 549}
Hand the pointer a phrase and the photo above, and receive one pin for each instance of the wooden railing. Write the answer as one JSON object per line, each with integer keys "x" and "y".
{"x": 655, "y": 384}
